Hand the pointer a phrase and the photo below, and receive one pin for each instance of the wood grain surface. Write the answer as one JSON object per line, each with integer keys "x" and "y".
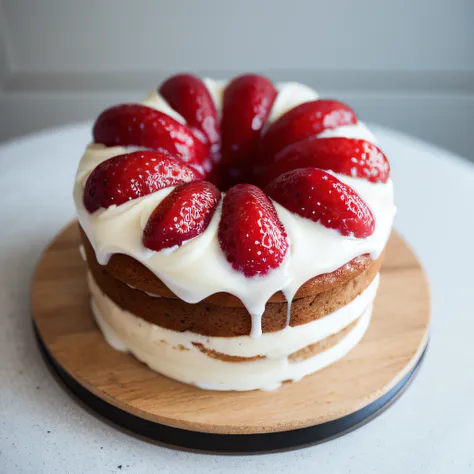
{"x": 391, "y": 347}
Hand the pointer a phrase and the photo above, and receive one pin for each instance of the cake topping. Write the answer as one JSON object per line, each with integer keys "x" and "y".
{"x": 251, "y": 235}
{"x": 304, "y": 121}
{"x": 130, "y": 176}
{"x": 348, "y": 156}
{"x": 277, "y": 242}
{"x": 142, "y": 126}
{"x": 314, "y": 194}
{"x": 189, "y": 96}
{"x": 248, "y": 100}
{"x": 182, "y": 215}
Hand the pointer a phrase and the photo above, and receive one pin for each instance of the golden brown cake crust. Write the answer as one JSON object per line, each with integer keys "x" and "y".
{"x": 210, "y": 319}
{"x": 128, "y": 270}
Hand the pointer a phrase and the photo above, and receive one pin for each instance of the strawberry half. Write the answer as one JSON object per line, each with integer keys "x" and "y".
{"x": 348, "y": 156}
{"x": 189, "y": 96}
{"x": 248, "y": 100}
{"x": 314, "y": 194}
{"x": 139, "y": 125}
{"x": 133, "y": 175}
{"x": 182, "y": 215}
{"x": 250, "y": 234}
{"x": 304, "y": 121}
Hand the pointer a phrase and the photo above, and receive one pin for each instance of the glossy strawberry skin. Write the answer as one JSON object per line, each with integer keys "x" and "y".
{"x": 314, "y": 194}
{"x": 133, "y": 175}
{"x": 250, "y": 233}
{"x": 139, "y": 125}
{"x": 184, "y": 214}
{"x": 304, "y": 121}
{"x": 248, "y": 100}
{"x": 348, "y": 156}
{"x": 189, "y": 96}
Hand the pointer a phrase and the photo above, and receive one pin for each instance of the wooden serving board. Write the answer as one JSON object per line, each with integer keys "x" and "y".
{"x": 322, "y": 405}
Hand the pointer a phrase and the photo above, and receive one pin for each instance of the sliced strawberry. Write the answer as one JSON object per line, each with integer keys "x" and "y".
{"x": 250, "y": 234}
{"x": 314, "y": 194}
{"x": 302, "y": 122}
{"x": 189, "y": 96}
{"x": 248, "y": 100}
{"x": 133, "y": 175}
{"x": 182, "y": 215}
{"x": 349, "y": 156}
{"x": 139, "y": 125}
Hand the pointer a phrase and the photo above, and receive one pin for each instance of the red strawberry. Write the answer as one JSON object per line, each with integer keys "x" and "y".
{"x": 182, "y": 215}
{"x": 319, "y": 196}
{"x": 250, "y": 234}
{"x": 303, "y": 121}
{"x": 189, "y": 96}
{"x": 139, "y": 125}
{"x": 248, "y": 100}
{"x": 349, "y": 156}
{"x": 133, "y": 175}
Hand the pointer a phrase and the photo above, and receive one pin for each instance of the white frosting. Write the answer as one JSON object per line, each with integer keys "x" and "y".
{"x": 216, "y": 89}
{"x": 82, "y": 251}
{"x": 199, "y": 268}
{"x": 156, "y": 101}
{"x": 358, "y": 130}
{"x": 173, "y": 354}
{"x": 290, "y": 95}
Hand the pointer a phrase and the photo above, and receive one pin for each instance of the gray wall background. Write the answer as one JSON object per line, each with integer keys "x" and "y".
{"x": 407, "y": 64}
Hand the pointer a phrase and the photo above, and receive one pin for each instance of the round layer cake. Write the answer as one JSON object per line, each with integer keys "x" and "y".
{"x": 233, "y": 231}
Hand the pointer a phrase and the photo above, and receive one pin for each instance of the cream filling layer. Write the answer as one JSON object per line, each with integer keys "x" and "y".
{"x": 173, "y": 354}
{"x": 199, "y": 268}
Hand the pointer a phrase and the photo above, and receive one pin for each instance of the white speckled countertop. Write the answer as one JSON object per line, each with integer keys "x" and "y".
{"x": 430, "y": 429}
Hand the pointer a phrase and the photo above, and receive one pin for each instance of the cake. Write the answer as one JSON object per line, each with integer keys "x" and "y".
{"x": 233, "y": 231}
